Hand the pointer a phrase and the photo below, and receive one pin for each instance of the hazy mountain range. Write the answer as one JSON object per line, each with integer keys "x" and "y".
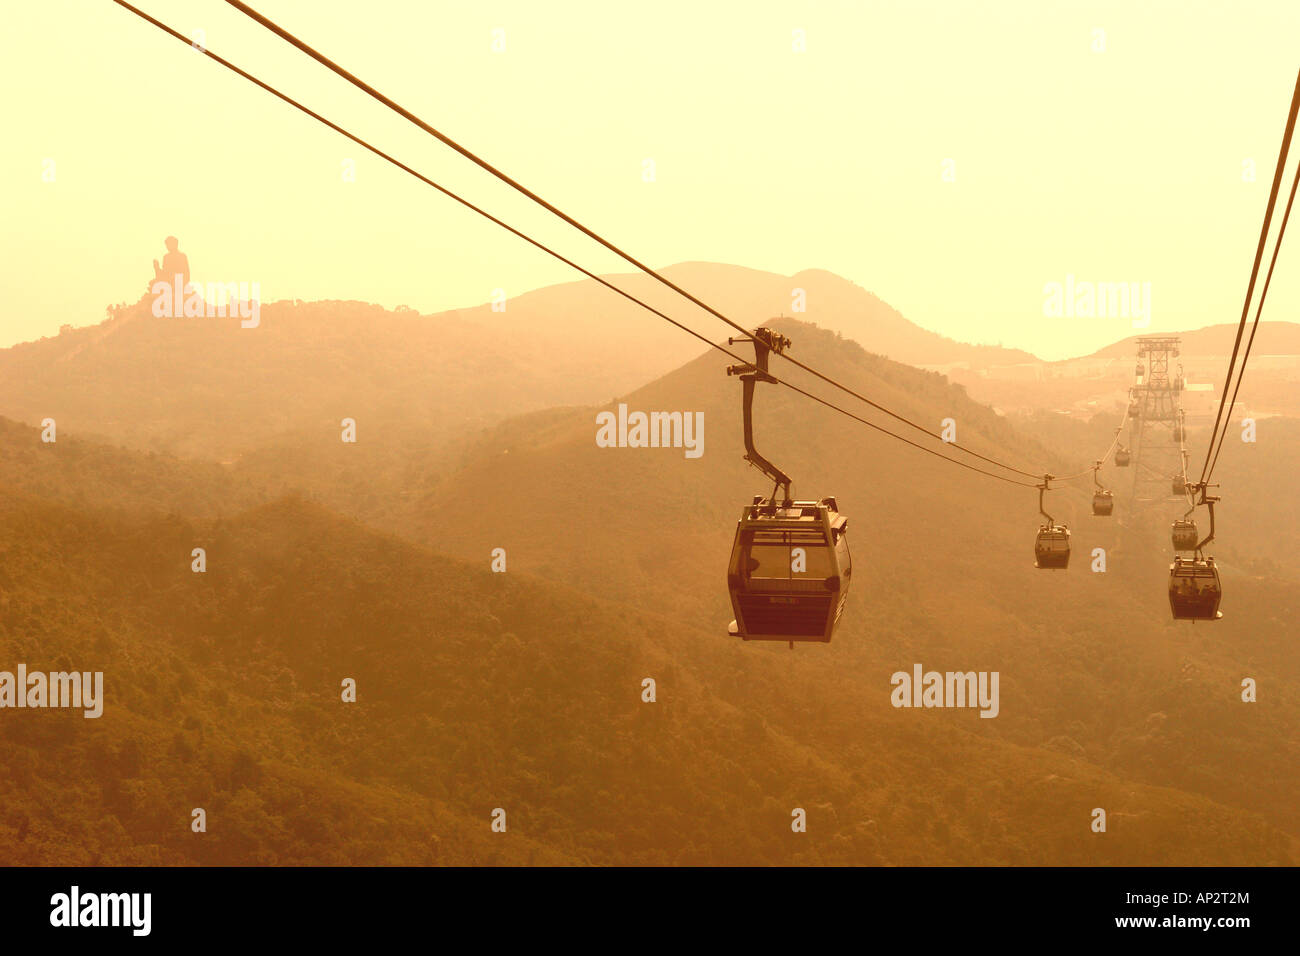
{"x": 194, "y": 388}
{"x": 523, "y": 690}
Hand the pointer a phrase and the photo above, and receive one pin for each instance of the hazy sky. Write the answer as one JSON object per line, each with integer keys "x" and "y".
{"x": 1124, "y": 164}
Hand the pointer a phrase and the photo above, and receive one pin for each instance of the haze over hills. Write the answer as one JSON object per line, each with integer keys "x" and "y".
{"x": 1080, "y": 386}
{"x": 204, "y": 387}
{"x": 522, "y": 689}
{"x": 579, "y": 316}
{"x": 1271, "y": 338}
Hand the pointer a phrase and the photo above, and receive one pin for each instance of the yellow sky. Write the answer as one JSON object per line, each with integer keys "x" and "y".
{"x": 1119, "y": 165}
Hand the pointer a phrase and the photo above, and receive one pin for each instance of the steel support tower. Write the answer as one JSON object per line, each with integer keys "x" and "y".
{"x": 1154, "y": 415}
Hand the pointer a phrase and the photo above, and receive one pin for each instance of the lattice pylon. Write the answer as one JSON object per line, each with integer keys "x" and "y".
{"x": 1157, "y": 456}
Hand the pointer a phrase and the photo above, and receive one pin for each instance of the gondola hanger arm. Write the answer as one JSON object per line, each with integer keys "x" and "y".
{"x": 765, "y": 341}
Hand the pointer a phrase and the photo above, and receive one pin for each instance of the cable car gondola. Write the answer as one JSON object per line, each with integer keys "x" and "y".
{"x": 1178, "y": 486}
{"x": 1194, "y": 586}
{"x": 1052, "y": 548}
{"x": 790, "y": 569}
{"x": 1133, "y": 408}
{"x": 1184, "y": 534}
{"x": 1103, "y": 502}
{"x": 1052, "y": 544}
{"x": 1122, "y": 457}
{"x": 1194, "y": 589}
{"x": 1139, "y": 371}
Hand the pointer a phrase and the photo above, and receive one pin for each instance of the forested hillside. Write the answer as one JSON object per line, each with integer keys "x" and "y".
{"x": 523, "y": 690}
{"x": 478, "y": 691}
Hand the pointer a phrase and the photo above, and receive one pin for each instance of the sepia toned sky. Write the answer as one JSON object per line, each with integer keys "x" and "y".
{"x": 1116, "y": 164}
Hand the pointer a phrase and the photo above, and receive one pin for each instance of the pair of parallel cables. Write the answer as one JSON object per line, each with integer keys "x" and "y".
{"x": 295, "y": 41}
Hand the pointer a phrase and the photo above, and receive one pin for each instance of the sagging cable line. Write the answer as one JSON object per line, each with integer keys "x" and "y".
{"x": 446, "y": 140}
{"x": 1254, "y": 274}
{"x": 591, "y": 275}
{"x": 1263, "y": 294}
{"x": 1105, "y": 457}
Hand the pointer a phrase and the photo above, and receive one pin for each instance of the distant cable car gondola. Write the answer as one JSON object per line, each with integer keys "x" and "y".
{"x": 790, "y": 569}
{"x": 1184, "y": 534}
{"x": 1052, "y": 548}
{"x": 1103, "y": 502}
{"x": 1052, "y": 544}
{"x": 1122, "y": 457}
{"x": 1194, "y": 586}
{"x": 1139, "y": 371}
{"x": 1134, "y": 408}
{"x": 1178, "y": 485}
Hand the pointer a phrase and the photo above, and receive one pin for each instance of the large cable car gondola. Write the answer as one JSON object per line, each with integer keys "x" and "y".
{"x": 789, "y": 570}
{"x": 1194, "y": 586}
{"x": 1052, "y": 544}
{"x": 790, "y": 567}
{"x": 1194, "y": 589}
